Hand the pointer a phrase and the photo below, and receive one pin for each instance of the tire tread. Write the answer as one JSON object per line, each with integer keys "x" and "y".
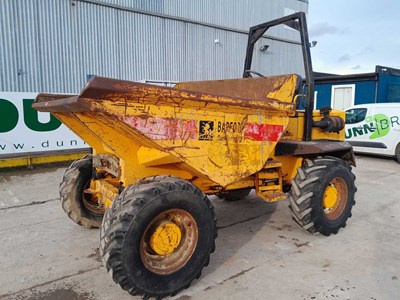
{"x": 117, "y": 220}
{"x": 301, "y": 197}
{"x": 67, "y": 193}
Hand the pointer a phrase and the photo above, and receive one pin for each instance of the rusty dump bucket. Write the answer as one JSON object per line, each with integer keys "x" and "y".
{"x": 215, "y": 132}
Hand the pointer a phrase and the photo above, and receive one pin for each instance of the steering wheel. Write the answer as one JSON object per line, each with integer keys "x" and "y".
{"x": 249, "y": 72}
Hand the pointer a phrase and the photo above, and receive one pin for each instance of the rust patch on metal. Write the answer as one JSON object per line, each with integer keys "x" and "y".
{"x": 249, "y": 88}
{"x": 123, "y": 92}
{"x": 292, "y": 147}
{"x": 53, "y": 103}
{"x": 45, "y": 97}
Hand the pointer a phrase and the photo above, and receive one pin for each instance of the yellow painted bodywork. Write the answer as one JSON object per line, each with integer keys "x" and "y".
{"x": 39, "y": 159}
{"x": 104, "y": 191}
{"x": 295, "y": 128}
{"x": 220, "y": 135}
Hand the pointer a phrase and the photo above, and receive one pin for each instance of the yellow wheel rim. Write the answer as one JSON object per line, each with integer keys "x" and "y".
{"x": 330, "y": 196}
{"x": 169, "y": 241}
{"x": 335, "y": 198}
{"x": 166, "y": 238}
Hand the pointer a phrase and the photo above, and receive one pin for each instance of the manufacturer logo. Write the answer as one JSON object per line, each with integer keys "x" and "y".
{"x": 206, "y": 131}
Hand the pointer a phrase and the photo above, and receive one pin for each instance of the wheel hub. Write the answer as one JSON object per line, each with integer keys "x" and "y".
{"x": 335, "y": 198}
{"x": 330, "y": 196}
{"x": 169, "y": 241}
{"x": 165, "y": 238}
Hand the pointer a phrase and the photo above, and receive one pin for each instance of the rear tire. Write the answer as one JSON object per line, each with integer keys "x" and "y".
{"x": 322, "y": 195}
{"x": 74, "y": 201}
{"x": 397, "y": 153}
{"x": 138, "y": 217}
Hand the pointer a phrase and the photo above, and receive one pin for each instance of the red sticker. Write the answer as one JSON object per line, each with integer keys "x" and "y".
{"x": 263, "y": 132}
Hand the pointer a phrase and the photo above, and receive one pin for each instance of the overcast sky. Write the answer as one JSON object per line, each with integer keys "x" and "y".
{"x": 354, "y": 35}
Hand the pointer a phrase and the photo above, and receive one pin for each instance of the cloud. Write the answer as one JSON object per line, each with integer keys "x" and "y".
{"x": 324, "y": 28}
{"x": 344, "y": 58}
{"x": 366, "y": 51}
{"x": 356, "y": 67}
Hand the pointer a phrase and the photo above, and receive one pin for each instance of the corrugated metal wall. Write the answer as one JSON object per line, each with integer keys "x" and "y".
{"x": 51, "y": 46}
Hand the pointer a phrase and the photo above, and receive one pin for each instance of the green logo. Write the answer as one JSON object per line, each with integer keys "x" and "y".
{"x": 378, "y": 125}
{"x": 9, "y": 116}
{"x": 382, "y": 125}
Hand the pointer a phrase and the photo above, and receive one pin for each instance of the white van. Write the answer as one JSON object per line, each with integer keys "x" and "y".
{"x": 374, "y": 128}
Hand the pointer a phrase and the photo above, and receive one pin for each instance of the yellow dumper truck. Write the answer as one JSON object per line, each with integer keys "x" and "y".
{"x": 158, "y": 153}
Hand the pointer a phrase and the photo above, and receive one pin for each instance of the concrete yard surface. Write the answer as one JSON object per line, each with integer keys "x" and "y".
{"x": 261, "y": 253}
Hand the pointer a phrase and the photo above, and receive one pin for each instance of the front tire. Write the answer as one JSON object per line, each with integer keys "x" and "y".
{"x": 322, "y": 195}
{"x": 80, "y": 207}
{"x": 157, "y": 236}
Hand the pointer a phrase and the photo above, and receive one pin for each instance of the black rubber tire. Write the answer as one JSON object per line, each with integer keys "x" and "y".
{"x": 126, "y": 221}
{"x": 235, "y": 195}
{"x": 397, "y": 153}
{"x": 74, "y": 181}
{"x": 307, "y": 192}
